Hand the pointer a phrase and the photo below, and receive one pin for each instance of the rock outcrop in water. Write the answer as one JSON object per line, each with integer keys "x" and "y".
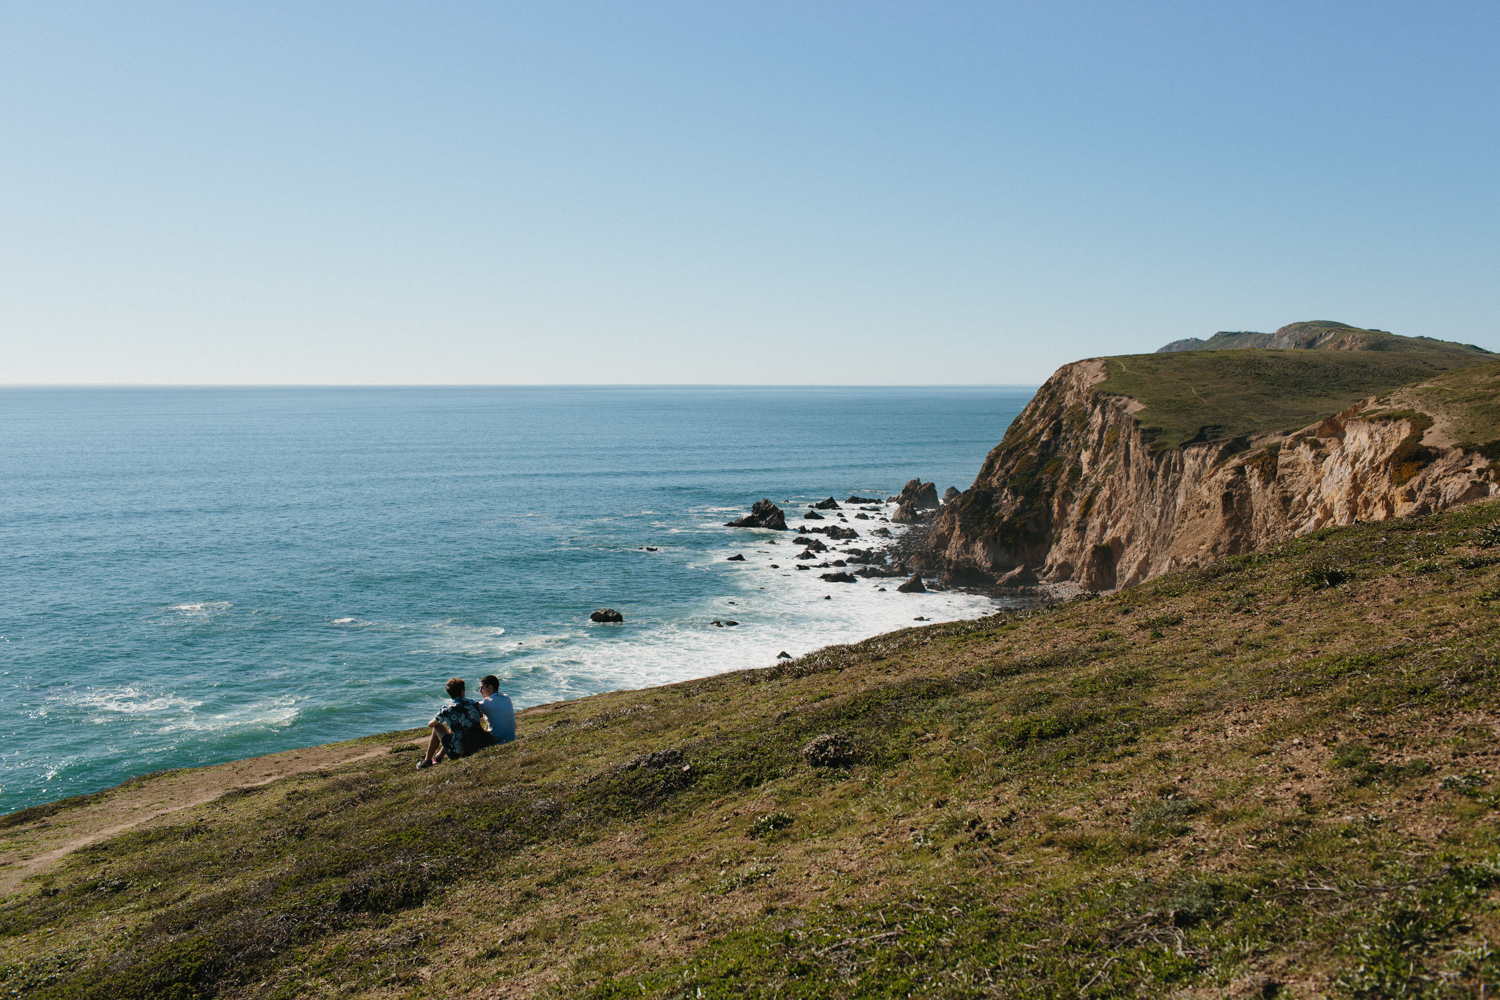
{"x": 913, "y": 586}
{"x": 917, "y": 499}
{"x": 764, "y": 514}
{"x": 1079, "y": 493}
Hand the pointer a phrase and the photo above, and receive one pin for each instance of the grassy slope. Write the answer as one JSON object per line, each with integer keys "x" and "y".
{"x": 1269, "y": 778}
{"x": 1469, "y": 399}
{"x": 1221, "y": 395}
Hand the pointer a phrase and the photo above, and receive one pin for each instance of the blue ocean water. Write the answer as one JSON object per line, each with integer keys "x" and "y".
{"x": 199, "y": 575}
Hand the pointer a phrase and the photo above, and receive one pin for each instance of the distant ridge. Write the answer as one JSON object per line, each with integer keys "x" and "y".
{"x": 1321, "y": 334}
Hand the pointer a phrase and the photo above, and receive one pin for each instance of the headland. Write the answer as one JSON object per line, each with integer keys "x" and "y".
{"x": 1266, "y": 773}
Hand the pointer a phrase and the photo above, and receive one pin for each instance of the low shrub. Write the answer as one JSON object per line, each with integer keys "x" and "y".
{"x": 1321, "y": 576}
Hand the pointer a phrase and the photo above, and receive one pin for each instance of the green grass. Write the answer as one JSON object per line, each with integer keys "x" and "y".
{"x": 1271, "y": 777}
{"x": 1223, "y": 395}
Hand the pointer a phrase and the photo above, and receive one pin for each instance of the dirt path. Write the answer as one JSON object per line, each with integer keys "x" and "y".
{"x": 29, "y": 849}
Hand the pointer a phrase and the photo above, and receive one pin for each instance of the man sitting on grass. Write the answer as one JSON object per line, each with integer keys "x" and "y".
{"x": 498, "y": 709}
{"x": 457, "y": 729}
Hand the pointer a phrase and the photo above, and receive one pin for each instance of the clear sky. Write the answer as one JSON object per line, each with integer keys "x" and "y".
{"x": 729, "y": 192}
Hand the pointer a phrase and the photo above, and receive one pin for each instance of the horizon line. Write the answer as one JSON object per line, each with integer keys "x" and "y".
{"x": 519, "y": 385}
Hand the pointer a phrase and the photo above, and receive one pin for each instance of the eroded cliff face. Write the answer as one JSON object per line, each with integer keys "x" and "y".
{"x": 1076, "y": 494}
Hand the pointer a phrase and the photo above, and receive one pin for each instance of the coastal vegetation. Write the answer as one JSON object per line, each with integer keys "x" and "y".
{"x": 1124, "y": 468}
{"x": 1209, "y": 396}
{"x": 1270, "y": 777}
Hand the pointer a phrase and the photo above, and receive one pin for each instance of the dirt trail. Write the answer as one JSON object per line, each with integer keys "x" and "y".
{"x": 31, "y": 848}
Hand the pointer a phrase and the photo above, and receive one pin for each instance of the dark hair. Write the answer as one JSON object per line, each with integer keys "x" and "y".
{"x": 490, "y": 681}
{"x": 456, "y": 687}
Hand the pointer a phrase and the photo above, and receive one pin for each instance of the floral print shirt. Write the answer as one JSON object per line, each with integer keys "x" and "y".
{"x": 460, "y": 717}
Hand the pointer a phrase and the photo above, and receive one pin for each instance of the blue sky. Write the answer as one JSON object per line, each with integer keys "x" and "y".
{"x": 758, "y": 192}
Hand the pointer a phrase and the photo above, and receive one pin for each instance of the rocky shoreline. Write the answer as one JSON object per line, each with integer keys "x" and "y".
{"x": 893, "y": 554}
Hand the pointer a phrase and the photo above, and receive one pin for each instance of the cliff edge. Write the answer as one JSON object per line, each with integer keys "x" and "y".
{"x": 1122, "y": 469}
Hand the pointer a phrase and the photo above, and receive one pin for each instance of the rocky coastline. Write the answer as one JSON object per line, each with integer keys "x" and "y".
{"x": 894, "y": 545}
{"x": 1085, "y": 493}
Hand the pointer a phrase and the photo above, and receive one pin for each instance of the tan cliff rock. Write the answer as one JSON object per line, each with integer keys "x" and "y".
{"x": 1078, "y": 493}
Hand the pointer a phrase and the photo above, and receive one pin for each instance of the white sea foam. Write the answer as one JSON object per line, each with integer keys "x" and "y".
{"x": 449, "y": 637}
{"x": 127, "y": 701}
{"x": 341, "y": 621}
{"x": 775, "y": 609}
{"x": 198, "y": 608}
{"x": 171, "y": 713}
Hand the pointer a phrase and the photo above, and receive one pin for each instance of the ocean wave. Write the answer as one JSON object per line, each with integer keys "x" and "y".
{"x": 127, "y": 701}
{"x": 450, "y": 638}
{"x": 199, "y": 608}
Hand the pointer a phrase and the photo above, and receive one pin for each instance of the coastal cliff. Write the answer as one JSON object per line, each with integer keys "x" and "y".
{"x": 1122, "y": 469}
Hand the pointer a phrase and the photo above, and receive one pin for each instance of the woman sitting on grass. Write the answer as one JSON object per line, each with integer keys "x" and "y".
{"x": 457, "y": 729}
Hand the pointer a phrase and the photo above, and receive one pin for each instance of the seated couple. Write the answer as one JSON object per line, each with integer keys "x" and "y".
{"x": 459, "y": 728}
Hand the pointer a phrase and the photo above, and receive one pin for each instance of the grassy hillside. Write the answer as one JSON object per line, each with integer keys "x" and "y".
{"x": 1326, "y": 335}
{"x": 1271, "y": 778}
{"x": 1466, "y": 401}
{"x": 1221, "y": 395}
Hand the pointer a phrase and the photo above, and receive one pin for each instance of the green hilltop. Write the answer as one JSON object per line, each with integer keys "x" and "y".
{"x": 1220, "y": 395}
{"x": 1320, "y": 334}
{"x": 1272, "y": 778}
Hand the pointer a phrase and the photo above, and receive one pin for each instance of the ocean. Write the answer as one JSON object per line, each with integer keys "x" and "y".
{"x": 195, "y": 575}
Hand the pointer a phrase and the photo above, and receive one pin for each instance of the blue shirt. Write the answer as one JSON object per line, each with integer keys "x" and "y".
{"x": 502, "y": 715}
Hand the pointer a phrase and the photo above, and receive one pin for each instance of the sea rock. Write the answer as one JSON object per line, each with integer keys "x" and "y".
{"x": 799, "y": 567}
{"x": 807, "y": 554}
{"x": 839, "y": 562}
{"x": 1021, "y": 576}
{"x": 922, "y": 496}
{"x": 853, "y": 499}
{"x": 783, "y": 655}
{"x": 861, "y": 517}
{"x": 764, "y": 514}
{"x": 913, "y": 586}
{"x": 815, "y": 544}
{"x": 882, "y": 532}
{"x": 774, "y": 566}
{"x": 836, "y": 532}
{"x": 812, "y": 515}
{"x": 907, "y": 514}
{"x": 838, "y": 577}
{"x": 607, "y": 615}
{"x": 950, "y": 493}
{"x": 829, "y": 504}
{"x": 737, "y": 557}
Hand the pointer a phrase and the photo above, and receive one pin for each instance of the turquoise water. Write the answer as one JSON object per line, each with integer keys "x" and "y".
{"x": 200, "y": 575}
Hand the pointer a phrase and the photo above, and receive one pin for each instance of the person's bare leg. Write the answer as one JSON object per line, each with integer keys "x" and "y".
{"x": 434, "y": 747}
